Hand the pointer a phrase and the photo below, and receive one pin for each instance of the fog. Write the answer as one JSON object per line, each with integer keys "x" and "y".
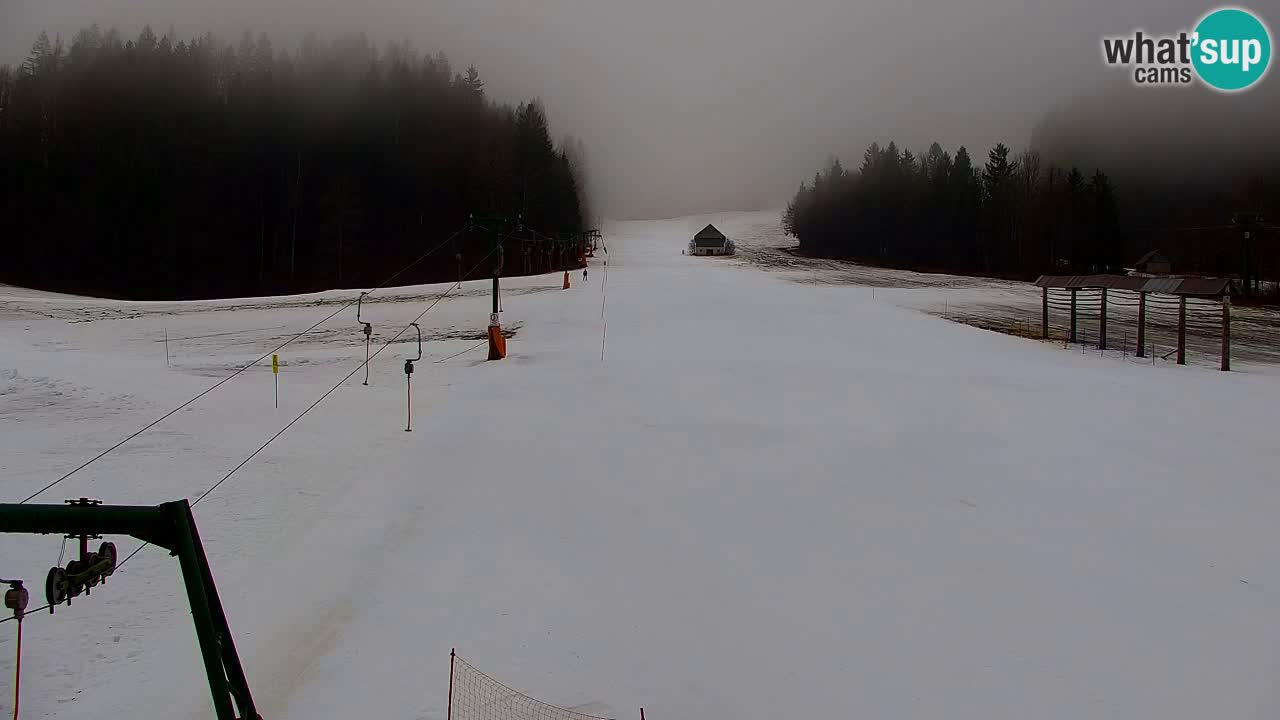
{"x": 719, "y": 104}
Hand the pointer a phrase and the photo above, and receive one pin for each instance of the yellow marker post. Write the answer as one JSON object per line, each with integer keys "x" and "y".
{"x": 275, "y": 374}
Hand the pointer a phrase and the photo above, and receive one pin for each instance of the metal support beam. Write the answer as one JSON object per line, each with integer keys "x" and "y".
{"x": 203, "y": 619}
{"x": 148, "y": 524}
{"x": 237, "y": 683}
{"x": 172, "y": 527}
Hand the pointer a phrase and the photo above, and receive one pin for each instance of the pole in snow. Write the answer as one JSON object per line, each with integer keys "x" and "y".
{"x": 497, "y": 342}
{"x": 453, "y": 656}
{"x": 1044, "y": 312}
{"x": 1226, "y": 333}
{"x": 275, "y": 374}
{"x": 368, "y": 335}
{"x": 1102, "y": 323}
{"x": 408, "y": 379}
{"x": 1072, "y": 336}
{"x": 1182, "y": 330}
{"x": 1142, "y": 322}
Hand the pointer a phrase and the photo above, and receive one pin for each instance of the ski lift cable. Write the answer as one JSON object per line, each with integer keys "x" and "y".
{"x": 300, "y": 415}
{"x": 335, "y": 387}
{"x": 237, "y": 372}
{"x": 478, "y": 345}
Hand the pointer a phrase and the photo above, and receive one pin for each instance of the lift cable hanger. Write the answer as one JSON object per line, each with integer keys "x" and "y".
{"x": 408, "y": 378}
{"x": 172, "y": 527}
{"x": 169, "y": 526}
{"x": 368, "y": 334}
{"x": 247, "y": 366}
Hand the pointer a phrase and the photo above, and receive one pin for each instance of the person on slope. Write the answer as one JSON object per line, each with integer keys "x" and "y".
{"x": 584, "y": 274}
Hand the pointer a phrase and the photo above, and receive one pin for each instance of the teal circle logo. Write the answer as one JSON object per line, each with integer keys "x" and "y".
{"x": 1232, "y": 49}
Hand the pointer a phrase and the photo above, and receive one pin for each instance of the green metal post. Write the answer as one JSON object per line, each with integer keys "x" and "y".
{"x": 147, "y": 523}
{"x": 237, "y": 683}
{"x": 169, "y": 526}
{"x": 192, "y": 576}
{"x": 497, "y": 269}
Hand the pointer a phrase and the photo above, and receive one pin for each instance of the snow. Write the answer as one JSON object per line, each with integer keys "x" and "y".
{"x": 771, "y": 499}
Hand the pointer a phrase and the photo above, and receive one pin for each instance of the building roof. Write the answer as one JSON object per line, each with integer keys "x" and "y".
{"x": 1199, "y": 287}
{"x": 709, "y": 233}
{"x": 1153, "y": 255}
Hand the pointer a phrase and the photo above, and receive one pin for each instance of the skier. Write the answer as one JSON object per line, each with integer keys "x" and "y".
{"x": 584, "y": 274}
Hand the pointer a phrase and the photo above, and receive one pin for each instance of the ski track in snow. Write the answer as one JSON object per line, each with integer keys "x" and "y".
{"x": 772, "y": 499}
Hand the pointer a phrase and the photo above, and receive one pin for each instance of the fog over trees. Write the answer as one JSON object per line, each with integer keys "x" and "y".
{"x": 159, "y": 166}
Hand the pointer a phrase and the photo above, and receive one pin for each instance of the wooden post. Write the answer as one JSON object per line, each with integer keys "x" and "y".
{"x": 1072, "y": 336}
{"x": 1044, "y": 312}
{"x": 1226, "y": 333}
{"x": 1102, "y": 323}
{"x": 1182, "y": 330}
{"x": 1142, "y": 324}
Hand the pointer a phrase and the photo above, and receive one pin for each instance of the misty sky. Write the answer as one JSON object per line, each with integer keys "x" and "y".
{"x": 701, "y": 105}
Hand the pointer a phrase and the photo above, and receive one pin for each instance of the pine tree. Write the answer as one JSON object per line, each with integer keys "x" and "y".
{"x": 41, "y": 59}
{"x": 146, "y": 40}
{"x": 472, "y": 82}
{"x": 1104, "y": 223}
{"x": 999, "y": 187}
{"x": 1076, "y": 227}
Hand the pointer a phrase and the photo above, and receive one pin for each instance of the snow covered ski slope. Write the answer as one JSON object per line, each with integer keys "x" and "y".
{"x": 770, "y": 500}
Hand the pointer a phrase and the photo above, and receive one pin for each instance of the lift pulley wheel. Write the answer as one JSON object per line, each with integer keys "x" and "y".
{"x": 92, "y": 577}
{"x": 107, "y": 551}
{"x": 75, "y": 585}
{"x": 56, "y": 588}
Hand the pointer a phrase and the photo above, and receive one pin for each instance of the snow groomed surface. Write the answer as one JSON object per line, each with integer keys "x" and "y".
{"x": 771, "y": 499}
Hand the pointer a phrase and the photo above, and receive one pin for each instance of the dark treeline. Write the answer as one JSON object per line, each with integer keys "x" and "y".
{"x": 1185, "y": 164}
{"x": 1008, "y": 216}
{"x": 167, "y": 168}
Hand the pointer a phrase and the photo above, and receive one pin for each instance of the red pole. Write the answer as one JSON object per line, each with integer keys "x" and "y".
{"x": 452, "y": 656}
{"x": 17, "y": 671}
